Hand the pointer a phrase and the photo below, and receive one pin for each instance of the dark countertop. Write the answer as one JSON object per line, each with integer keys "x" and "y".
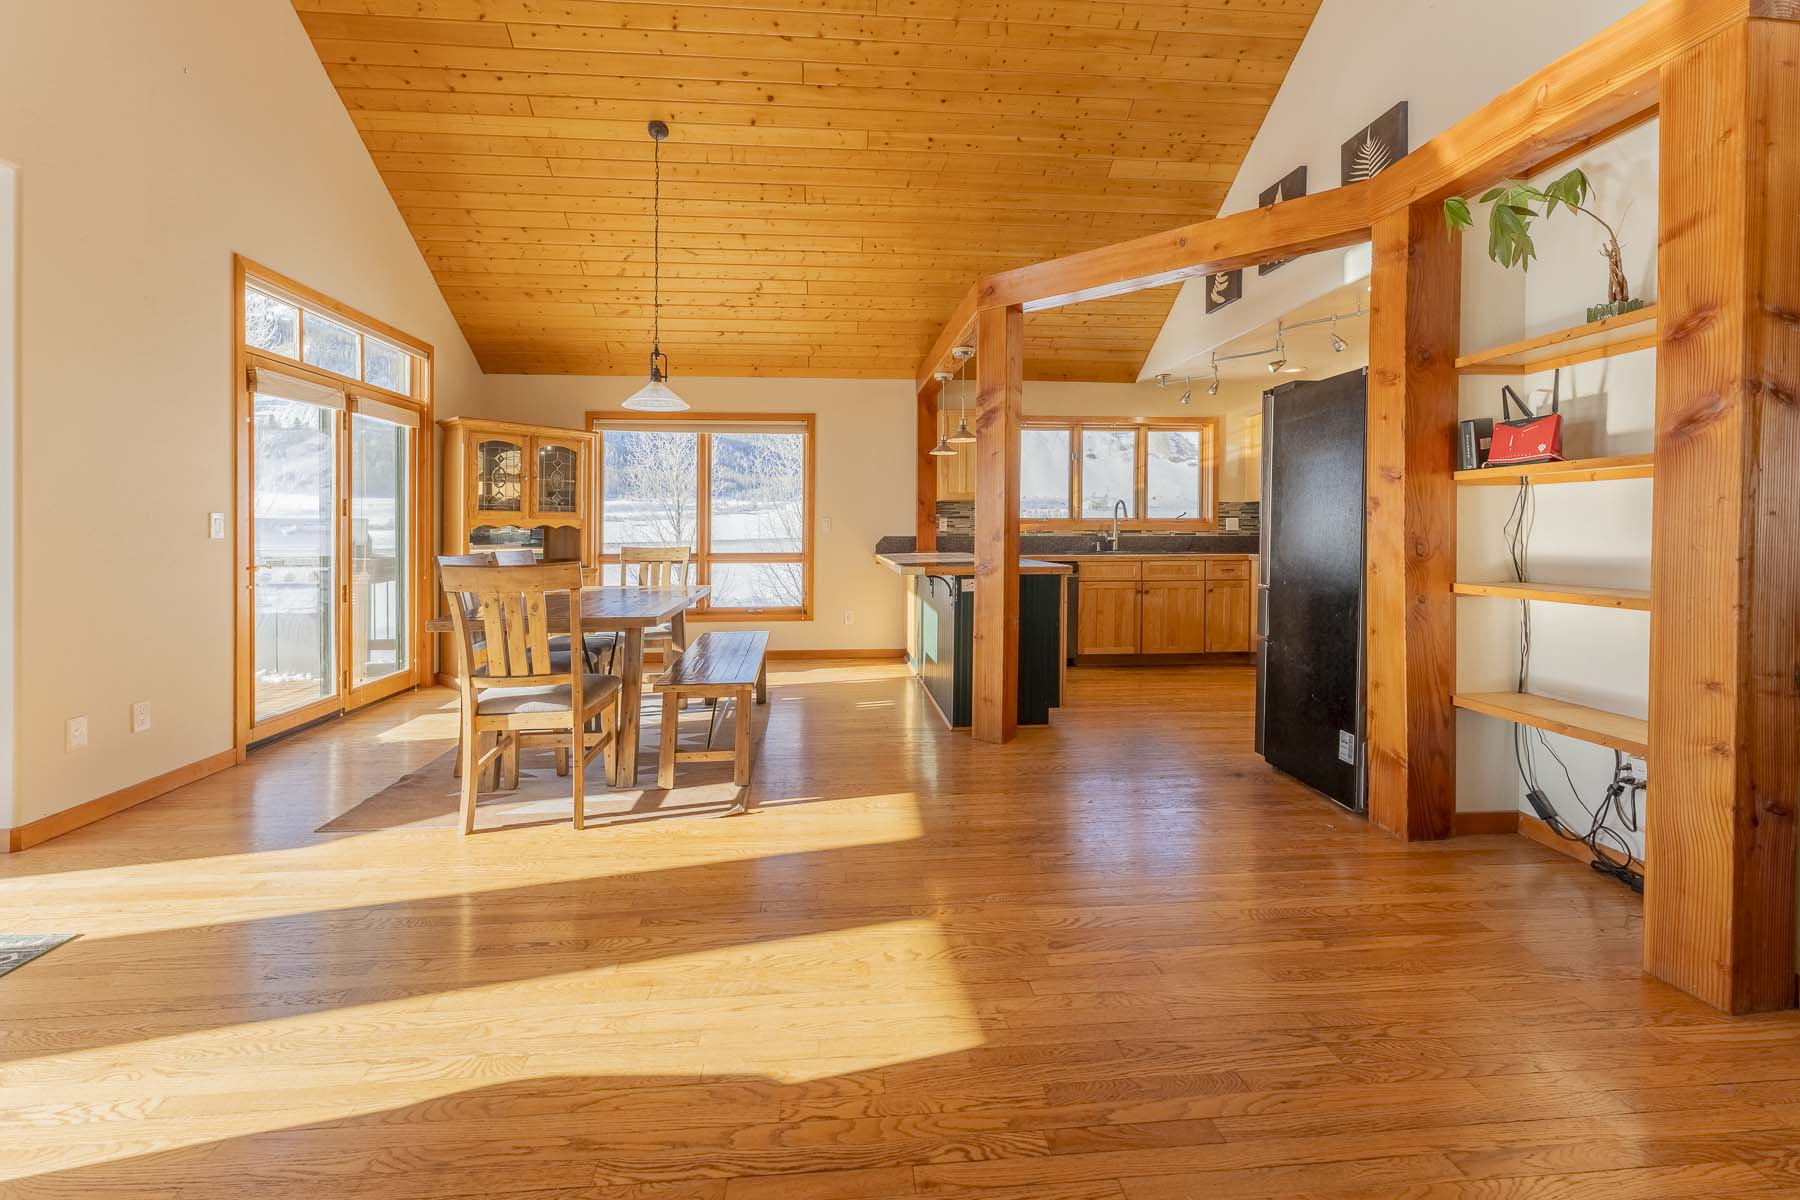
{"x": 1064, "y": 545}
{"x": 942, "y": 563}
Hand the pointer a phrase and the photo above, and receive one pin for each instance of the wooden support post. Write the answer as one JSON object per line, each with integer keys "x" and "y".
{"x": 1725, "y": 626}
{"x": 1409, "y": 609}
{"x": 925, "y": 519}
{"x": 1000, "y": 402}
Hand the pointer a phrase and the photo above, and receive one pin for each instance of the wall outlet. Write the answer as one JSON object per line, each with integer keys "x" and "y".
{"x": 216, "y": 526}
{"x": 849, "y": 616}
{"x": 140, "y": 717}
{"x": 1346, "y": 747}
{"x": 1232, "y": 524}
{"x": 75, "y": 734}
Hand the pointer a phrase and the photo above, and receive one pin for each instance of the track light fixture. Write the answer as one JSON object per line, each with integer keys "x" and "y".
{"x": 1338, "y": 344}
{"x": 1187, "y": 390}
{"x": 1212, "y": 389}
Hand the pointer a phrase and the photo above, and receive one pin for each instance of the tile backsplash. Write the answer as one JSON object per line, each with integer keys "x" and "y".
{"x": 958, "y": 516}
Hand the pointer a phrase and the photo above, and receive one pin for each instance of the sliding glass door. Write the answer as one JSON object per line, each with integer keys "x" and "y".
{"x": 381, "y": 519}
{"x": 331, "y": 549}
{"x": 294, "y": 489}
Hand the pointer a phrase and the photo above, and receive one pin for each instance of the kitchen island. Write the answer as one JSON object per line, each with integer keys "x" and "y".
{"x": 940, "y": 632}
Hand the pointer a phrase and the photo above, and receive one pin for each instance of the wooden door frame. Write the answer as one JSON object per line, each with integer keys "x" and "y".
{"x": 420, "y": 399}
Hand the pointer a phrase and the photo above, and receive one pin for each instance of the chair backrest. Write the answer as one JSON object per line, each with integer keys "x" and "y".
{"x": 501, "y": 616}
{"x": 514, "y": 558}
{"x": 657, "y": 566}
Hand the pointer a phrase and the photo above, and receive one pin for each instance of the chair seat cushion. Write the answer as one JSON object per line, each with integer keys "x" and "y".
{"x": 596, "y": 690}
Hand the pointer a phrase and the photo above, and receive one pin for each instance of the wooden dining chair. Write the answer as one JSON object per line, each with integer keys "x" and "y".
{"x": 518, "y": 691}
{"x": 659, "y": 567}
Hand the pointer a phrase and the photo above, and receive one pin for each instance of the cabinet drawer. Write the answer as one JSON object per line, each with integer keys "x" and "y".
{"x": 1228, "y": 568}
{"x": 1092, "y": 569}
{"x": 1173, "y": 568}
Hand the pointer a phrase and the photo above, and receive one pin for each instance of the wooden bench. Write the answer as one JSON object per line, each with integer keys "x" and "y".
{"x": 716, "y": 666}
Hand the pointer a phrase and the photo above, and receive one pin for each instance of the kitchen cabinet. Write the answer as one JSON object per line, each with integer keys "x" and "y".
{"x": 956, "y": 473}
{"x": 1174, "y": 618}
{"x": 1108, "y": 619}
{"x": 1188, "y": 604}
{"x": 508, "y": 485}
{"x": 1227, "y": 616}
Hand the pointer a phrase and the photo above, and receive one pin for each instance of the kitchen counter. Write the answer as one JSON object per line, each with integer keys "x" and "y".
{"x": 960, "y": 564}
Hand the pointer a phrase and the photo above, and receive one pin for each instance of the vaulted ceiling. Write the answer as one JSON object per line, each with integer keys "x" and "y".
{"x": 838, "y": 172}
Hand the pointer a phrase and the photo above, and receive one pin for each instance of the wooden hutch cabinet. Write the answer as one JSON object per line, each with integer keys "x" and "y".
{"x": 508, "y": 485}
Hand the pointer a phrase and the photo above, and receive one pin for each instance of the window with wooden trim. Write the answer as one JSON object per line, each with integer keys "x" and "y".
{"x": 1075, "y": 472}
{"x": 735, "y": 489}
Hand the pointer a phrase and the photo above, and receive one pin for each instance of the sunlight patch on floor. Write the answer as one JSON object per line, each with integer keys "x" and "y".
{"x": 868, "y": 997}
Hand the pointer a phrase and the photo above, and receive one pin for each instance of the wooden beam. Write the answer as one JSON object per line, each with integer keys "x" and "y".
{"x": 1604, "y": 85}
{"x": 956, "y": 332}
{"x": 1000, "y": 404}
{"x": 1725, "y": 630}
{"x": 1409, "y": 608}
{"x": 925, "y": 518}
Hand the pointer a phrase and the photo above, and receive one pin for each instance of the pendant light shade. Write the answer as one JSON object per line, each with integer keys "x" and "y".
{"x": 657, "y": 395}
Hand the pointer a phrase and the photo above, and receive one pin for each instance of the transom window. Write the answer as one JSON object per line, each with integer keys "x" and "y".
{"x": 736, "y": 491}
{"x": 1076, "y": 472}
{"x": 289, "y": 328}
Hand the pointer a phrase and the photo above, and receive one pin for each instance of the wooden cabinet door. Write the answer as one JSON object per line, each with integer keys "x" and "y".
{"x": 1228, "y": 616}
{"x": 560, "y": 478}
{"x": 499, "y": 470}
{"x": 1108, "y": 618}
{"x": 1174, "y": 618}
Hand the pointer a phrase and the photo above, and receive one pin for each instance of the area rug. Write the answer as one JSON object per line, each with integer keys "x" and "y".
{"x": 17, "y": 949}
{"x": 430, "y": 797}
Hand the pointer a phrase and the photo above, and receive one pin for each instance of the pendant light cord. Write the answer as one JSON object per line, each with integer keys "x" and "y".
{"x": 656, "y": 251}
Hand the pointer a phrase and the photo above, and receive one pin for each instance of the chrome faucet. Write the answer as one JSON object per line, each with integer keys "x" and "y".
{"x": 1118, "y": 511}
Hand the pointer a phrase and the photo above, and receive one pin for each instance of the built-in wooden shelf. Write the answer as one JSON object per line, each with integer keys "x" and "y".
{"x": 1561, "y": 593}
{"x": 1566, "y": 347}
{"x": 1575, "y": 470}
{"x": 1630, "y": 734}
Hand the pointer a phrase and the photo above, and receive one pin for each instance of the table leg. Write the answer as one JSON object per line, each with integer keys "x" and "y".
{"x": 678, "y": 632}
{"x": 631, "y": 703}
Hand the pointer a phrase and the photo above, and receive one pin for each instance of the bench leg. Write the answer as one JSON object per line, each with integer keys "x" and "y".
{"x": 671, "y": 730}
{"x": 742, "y": 703}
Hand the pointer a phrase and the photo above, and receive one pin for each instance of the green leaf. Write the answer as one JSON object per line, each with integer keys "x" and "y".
{"x": 1457, "y": 214}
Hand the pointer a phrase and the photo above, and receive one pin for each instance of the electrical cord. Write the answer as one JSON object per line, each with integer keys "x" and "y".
{"x": 1607, "y": 845}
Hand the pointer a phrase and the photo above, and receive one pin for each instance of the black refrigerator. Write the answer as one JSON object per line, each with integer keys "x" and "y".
{"x": 1309, "y": 666}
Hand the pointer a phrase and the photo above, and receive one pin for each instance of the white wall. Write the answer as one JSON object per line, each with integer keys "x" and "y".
{"x": 1593, "y": 533}
{"x": 9, "y": 489}
{"x": 1446, "y": 58}
{"x": 152, "y": 141}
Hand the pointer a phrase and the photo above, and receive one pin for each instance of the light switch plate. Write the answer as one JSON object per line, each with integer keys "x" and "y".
{"x": 75, "y": 734}
{"x": 1232, "y": 525}
{"x": 217, "y": 526}
{"x": 1347, "y": 747}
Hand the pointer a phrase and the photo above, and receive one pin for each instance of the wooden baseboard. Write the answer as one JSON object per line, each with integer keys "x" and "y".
{"x": 876, "y": 655}
{"x": 1543, "y": 835}
{"x": 1469, "y": 824}
{"x": 56, "y": 824}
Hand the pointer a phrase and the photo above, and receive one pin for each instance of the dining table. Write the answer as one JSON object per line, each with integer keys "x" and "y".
{"x": 626, "y": 612}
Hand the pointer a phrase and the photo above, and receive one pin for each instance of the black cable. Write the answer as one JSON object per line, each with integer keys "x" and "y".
{"x": 1517, "y": 531}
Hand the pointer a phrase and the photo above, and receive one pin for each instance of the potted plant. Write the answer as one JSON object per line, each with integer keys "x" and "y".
{"x": 1515, "y": 204}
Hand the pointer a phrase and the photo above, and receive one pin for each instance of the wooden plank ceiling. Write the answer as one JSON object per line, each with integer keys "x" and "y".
{"x": 838, "y": 171}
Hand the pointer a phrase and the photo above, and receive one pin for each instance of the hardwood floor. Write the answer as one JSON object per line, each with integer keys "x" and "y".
{"x": 1118, "y": 958}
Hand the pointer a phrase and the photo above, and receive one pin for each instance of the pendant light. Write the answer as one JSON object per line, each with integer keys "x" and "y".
{"x": 943, "y": 449}
{"x": 657, "y": 395}
{"x": 962, "y": 355}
